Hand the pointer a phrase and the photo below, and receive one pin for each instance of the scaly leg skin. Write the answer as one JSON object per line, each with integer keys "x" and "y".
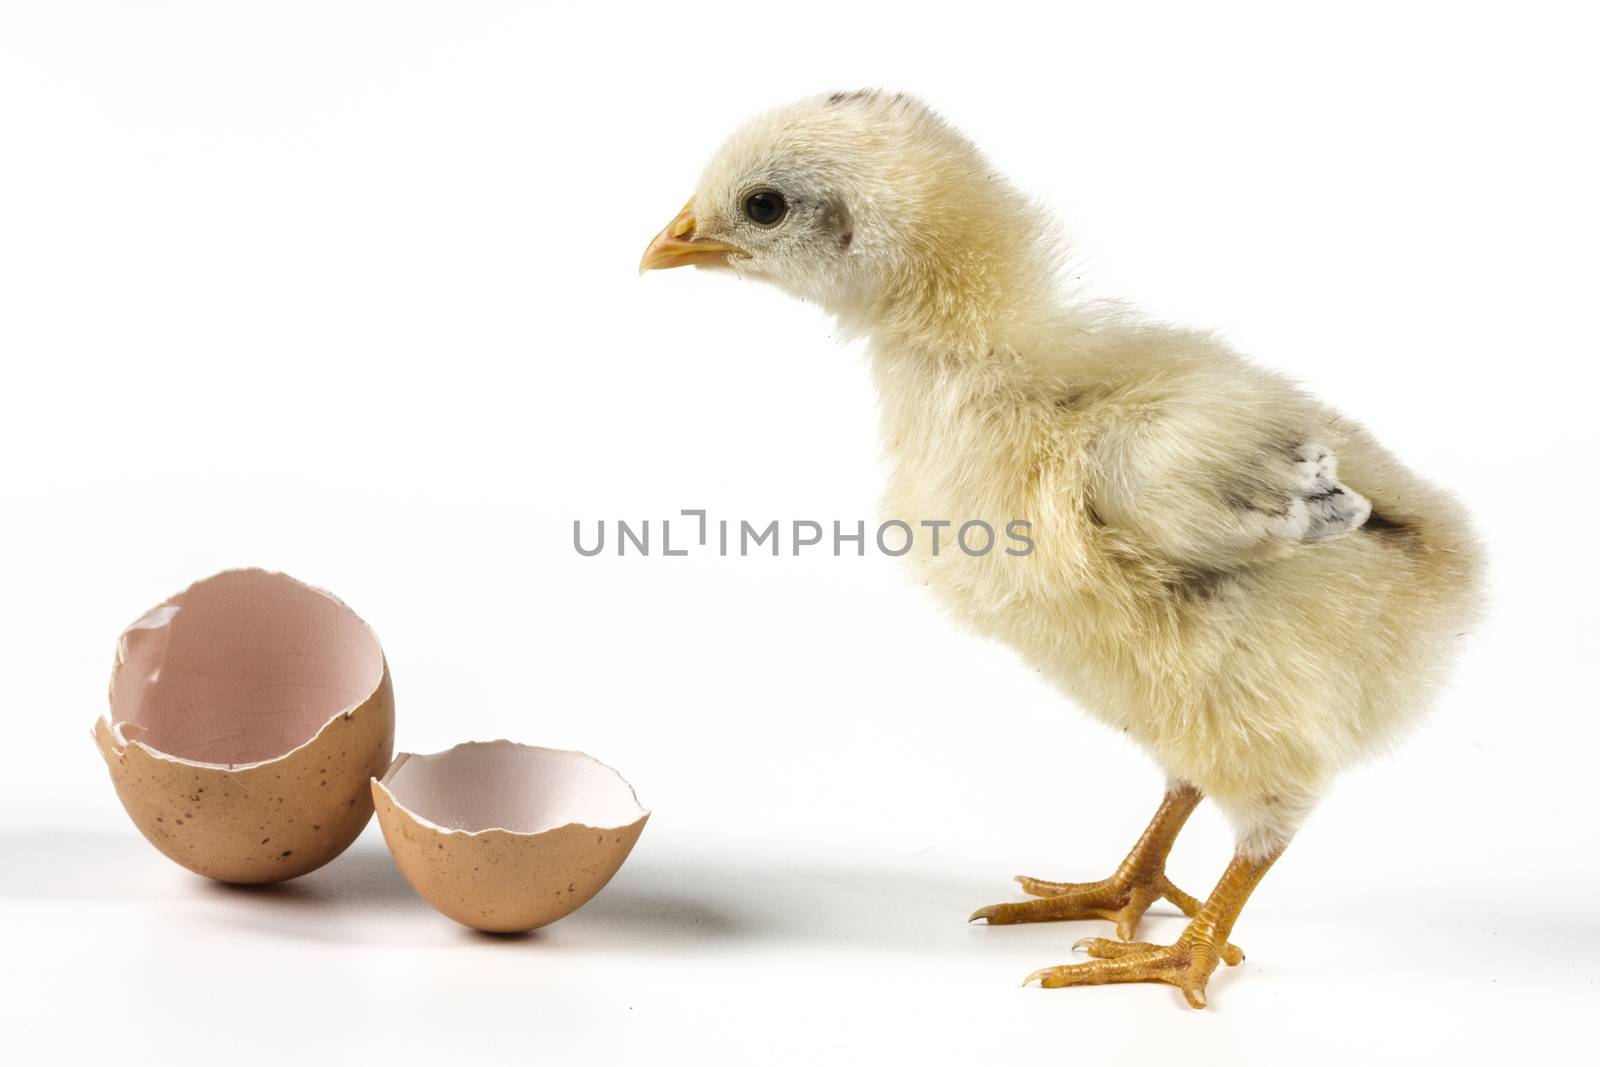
{"x": 1139, "y": 882}
{"x": 1188, "y": 962}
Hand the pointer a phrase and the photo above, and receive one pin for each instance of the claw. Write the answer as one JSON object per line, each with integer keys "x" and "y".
{"x": 985, "y": 913}
{"x": 1055, "y": 977}
{"x": 1037, "y": 976}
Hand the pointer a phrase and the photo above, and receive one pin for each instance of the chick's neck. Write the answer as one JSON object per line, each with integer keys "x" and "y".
{"x": 972, "y": 287}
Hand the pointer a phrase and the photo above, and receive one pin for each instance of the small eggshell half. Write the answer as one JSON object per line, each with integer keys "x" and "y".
{"x": 248, "y": 714}
{"x": 505, "y": 837}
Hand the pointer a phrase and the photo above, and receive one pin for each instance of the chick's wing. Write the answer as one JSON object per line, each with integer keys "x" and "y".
{"x": 1222, "y": 485}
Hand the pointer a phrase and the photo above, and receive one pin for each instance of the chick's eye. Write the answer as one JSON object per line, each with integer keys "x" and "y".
{"x": 765, "y": 208}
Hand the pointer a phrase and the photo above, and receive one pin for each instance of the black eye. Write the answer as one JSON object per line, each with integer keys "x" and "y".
{"x": 765, "y": 208}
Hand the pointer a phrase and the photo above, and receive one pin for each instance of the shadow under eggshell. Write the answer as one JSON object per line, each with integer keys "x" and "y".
{"x": 247, "y": 715}
{"x": 506, "y": 852}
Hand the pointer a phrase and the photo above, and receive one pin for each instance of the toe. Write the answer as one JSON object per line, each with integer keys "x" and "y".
{"x": 1039, "y": 887}
{"x": 1135, "y": 967}
{"x": 1076, "y": 905}
{"x": 1106, "y": 949}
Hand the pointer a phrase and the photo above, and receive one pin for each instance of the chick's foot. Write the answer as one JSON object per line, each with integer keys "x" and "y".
{"x": 1187, "y": 963}
{"x": 1123, "y": 898}
{"x": 1118, "y": 899}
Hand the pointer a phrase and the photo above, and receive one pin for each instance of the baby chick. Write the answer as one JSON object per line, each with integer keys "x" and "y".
{"x": 1238, "y": 578}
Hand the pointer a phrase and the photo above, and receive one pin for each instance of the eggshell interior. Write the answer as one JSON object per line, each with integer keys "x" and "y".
{"x": 241, "y": 668}
{"x": 505, "y": 786}
{"x": 506, "y": 837}
{"x": 248, "y": 714}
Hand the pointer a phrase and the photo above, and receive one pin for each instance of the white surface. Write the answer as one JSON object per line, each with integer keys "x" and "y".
{"x": 349, "y": 291}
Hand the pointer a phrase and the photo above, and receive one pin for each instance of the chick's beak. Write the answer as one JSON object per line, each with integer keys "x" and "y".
{"x": 677, "y": 245}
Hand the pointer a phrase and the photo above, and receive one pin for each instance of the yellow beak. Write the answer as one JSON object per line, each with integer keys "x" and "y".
{"x": 677, "y": 245}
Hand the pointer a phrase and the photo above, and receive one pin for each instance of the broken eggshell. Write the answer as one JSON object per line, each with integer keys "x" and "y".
{"x": 247, "y": 715}
{"x": 505, "y": 837}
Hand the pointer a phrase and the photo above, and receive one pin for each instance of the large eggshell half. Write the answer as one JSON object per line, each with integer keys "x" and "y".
{"x": 506, "y": 837}
{"x": 247, "y": 715}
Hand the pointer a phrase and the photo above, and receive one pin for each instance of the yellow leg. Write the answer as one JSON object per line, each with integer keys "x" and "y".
{"x": 1139, "y": 881}
{"x": 1188, "y": 962}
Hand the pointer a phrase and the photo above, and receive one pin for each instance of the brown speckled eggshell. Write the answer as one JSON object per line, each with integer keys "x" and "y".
{"x": 498, "y": 880}
{"x": 264, "y": 823}
{"x": 248, "y": 714}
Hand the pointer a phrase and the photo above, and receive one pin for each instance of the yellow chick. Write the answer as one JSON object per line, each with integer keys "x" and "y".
{"x": 1238, "y": 578}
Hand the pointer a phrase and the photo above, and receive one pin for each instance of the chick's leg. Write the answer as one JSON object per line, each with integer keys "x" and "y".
{"x": 1138, "y": 882}
{"x": 1188, "y": 962}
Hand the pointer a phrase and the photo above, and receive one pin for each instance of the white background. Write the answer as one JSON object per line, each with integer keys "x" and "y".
{"x": 349, "y": 291}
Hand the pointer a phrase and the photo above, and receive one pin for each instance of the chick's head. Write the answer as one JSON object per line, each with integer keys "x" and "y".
{"x": 856, "y": 201}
